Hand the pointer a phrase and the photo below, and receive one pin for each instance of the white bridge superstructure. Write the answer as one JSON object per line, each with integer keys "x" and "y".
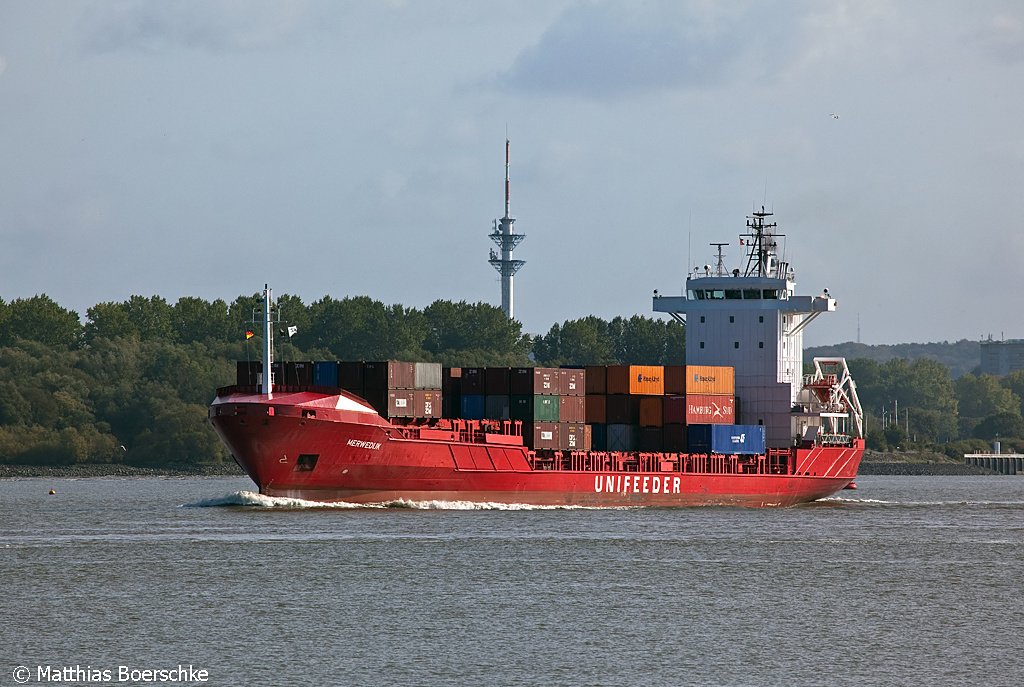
{"x": 751, "y": 319}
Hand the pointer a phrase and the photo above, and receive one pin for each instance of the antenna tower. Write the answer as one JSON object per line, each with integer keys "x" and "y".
{"x": 506, "y": 240}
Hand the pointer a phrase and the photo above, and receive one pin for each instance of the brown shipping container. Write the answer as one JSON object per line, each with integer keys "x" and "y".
{"x": 622, "y": 410}
{"x": 546, "y": 435}
{"x": 651, "y": 411}
{"x": 572, "y": 409}
{"x": 571, "y": 381}
{"x": 710, "y": 379}
{"x": 389, "y": 374}
{"x": 496, "y": 381}
{"x": 617, "y": 379}
{"x": 708, "y": 409}
{"x": 674, "y": 437}
{"x": 595, "y": 410}
{"x": 546, "y": 381}
{"x": 597, "y": 379}
{"x": 575, "y": 437}
{"x": 473, "y": 381}
{"x": 674, "y": 410}
{"x": 401, "y": 403}
{"x": 427, "y": 403}
{"x": 675, "y": 380}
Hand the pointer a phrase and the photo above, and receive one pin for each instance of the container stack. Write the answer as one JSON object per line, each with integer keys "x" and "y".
{"x": 548, "y": 401}
{"x": 648, "y": 407}
{"x": 395, "y": 389}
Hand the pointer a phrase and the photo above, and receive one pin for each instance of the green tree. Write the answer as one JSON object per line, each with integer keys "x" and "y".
{"x": 981, "y": 395}
{"x": 1000, "y": 425}
{"x": 40, "y": 319}
{"x": 195, "y": 319}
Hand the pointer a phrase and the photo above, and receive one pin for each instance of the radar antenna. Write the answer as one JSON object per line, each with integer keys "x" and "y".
{"x": 720, "y": 270}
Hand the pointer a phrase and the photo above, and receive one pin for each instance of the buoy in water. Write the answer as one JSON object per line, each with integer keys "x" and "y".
{"x": 52, "y": 492}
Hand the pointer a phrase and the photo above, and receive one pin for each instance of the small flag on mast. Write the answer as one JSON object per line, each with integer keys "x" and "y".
{"x": 292, "y": 330}
{"x": 249, "y": 334}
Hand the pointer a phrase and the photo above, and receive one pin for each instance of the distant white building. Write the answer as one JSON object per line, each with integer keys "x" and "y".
{"x": 1000, "y": 358}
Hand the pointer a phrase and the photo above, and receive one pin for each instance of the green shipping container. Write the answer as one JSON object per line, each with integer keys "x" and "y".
{"x": 534, "y": 408}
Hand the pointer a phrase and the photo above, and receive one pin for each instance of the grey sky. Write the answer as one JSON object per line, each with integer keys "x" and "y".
{"x": 349, "y": 148}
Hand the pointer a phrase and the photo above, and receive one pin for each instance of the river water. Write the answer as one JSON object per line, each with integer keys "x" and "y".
{"x": 907, "y": 581}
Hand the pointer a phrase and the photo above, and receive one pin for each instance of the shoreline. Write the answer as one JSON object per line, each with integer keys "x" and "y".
{"x": 85, "y": 470}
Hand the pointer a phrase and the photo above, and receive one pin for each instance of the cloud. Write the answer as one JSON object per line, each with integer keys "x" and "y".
{"x": 604, "y": 49}
{"x": 1002, "y": 37}
{"x": 211, "y": 25}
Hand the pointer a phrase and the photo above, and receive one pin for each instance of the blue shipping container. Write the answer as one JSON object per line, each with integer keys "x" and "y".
{"x": 472, "y": 407}
{"x": 745, "y": 439}
{"x": 325, "y": 373}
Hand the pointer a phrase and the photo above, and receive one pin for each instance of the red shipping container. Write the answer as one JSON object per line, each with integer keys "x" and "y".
{"x": 572, "y": 409}
{"x": 571, "y": 381}
{"x": 596, "y": 382}
{"x": 595, "y": 410}
{"x": 709, "y": 409}
{"x": 651, "y": 411}
{"x": 674, "y": 410}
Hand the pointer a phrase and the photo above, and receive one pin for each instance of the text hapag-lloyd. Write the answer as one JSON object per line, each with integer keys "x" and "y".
{"x": 642, "y": 378}
{"x": 636, "y": 484}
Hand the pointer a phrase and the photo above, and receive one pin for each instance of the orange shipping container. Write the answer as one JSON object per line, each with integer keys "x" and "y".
{"x": 646, "y": 380}
{"x": 710, "y": 379}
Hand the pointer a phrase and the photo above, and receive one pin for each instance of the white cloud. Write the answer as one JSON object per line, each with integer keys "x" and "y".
{"x": 212, "y": 25}
{"x": 605, "y": 49}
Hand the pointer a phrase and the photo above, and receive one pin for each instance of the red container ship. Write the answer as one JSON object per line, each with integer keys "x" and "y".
{"x": 800, "y": 437}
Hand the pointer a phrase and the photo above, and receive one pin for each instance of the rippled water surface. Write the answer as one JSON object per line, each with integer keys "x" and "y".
{"x": 909, "y": 580}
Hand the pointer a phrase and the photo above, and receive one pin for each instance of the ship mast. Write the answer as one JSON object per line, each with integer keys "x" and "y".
{"x": 506, "y": 240}
{"x": 268, "y": 342}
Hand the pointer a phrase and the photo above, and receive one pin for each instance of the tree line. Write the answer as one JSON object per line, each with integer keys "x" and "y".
{"x": 131, "y": 383}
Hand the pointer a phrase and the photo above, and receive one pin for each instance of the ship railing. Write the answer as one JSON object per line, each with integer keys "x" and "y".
{"x": 835, "y": 440}
{"x": 774, "y": 461}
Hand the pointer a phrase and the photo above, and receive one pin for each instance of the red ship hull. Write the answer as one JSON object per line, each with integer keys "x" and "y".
{"x": 325, "y": 447}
